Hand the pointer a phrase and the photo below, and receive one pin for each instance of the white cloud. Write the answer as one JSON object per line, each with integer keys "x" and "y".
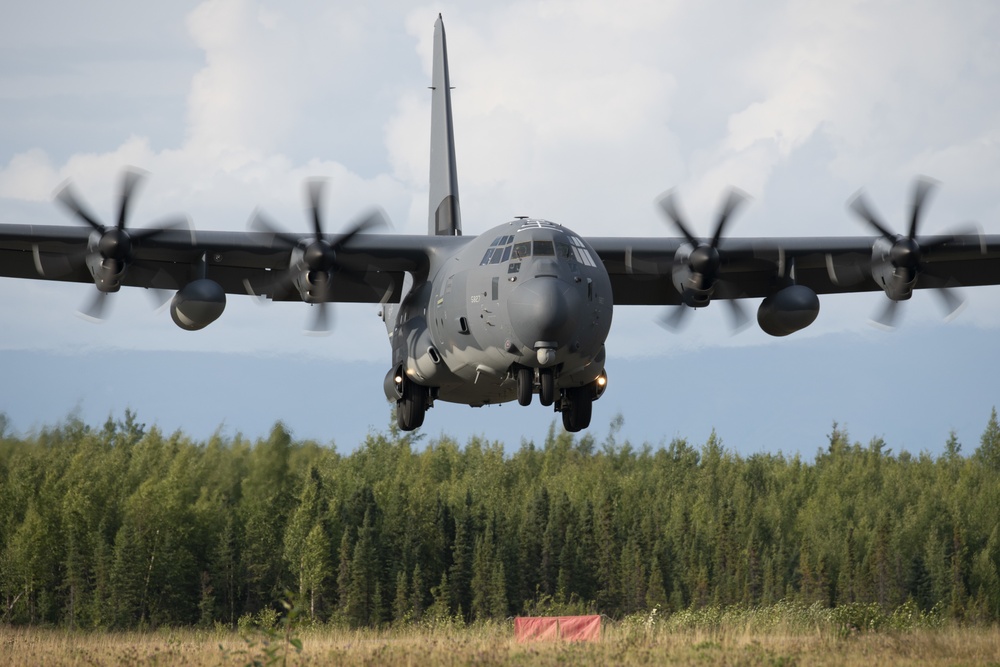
{"x": 29, "y": 176}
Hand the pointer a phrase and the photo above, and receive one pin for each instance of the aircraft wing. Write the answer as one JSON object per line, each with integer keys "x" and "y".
{"x": 641, "y": 268}
{"x": 371, "y": 266}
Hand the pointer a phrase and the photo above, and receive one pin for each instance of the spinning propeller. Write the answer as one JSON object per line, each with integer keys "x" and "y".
{"x": 696, "y": 273}
{"x": 905, "y": 254}
{"x": 112, "y": 254}
{"x": 311, "y": 273}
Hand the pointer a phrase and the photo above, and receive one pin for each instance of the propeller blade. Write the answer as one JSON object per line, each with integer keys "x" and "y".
{"x": 94, "y": 311}
{"x": 131, "y": 177}
{"x": 168, "y": 225}
{"x": 887, "y": 317}
{"x": 859, "y": 204}
{"x": 733, "y": 201}
{"x": 921, "y": 188}
{"x": 316, "y": 188}
{"x": 68, "y": 198}
{"x": 740, "y": 319}
{"x": 968, "y": 233}
{"x": 58, "y": 266}
{"x": 674, "y": 318}
{"x": 260, "y": 223}
{"x": 321, "y": 321}
{"x": 159, "y": 297}
{"x": 282, "y": 284}
{"x": 952, "y": 303}
{"x": 847, "y": 273}
{"x": 376, "y": 218}
{"x": 669, "y": 206}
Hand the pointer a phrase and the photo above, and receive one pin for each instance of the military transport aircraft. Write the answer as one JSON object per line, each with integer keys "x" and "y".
{"x": 520, "y": 310}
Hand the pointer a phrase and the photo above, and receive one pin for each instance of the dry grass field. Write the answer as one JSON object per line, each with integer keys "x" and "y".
{"x": 621, "y": 644}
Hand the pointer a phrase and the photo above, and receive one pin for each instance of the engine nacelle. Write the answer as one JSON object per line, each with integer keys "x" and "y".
{"x": 198, "y": 304}
{"x": 787, "y": 311}
{"x": 695, "y": 289}
{"x": 896, "y": 281}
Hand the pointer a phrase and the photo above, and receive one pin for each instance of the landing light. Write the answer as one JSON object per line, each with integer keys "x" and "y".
{"x": 602, "y": 380}
{"x": 398, "y": 379}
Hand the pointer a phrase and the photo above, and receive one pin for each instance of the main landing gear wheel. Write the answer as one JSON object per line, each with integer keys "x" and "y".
{"x": 525, "y": 384}
{"x": 546, "y": 386}
{"x": 412, "y": 407}
{"x": 578, "y": 406}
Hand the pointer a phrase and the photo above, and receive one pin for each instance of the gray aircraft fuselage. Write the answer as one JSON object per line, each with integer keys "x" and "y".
{"x": 528, "y": 293}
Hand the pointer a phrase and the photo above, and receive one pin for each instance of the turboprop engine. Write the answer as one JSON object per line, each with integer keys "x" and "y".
{"x": 198, "y": 304}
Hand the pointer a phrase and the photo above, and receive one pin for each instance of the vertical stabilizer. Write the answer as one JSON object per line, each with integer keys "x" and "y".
{"x": 445, "y": 216}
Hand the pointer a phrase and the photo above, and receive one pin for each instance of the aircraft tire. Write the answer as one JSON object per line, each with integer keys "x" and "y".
{"x": 525, "y": 384}
{"x": 412, "y": 407}
{"x": 546, "y": 386}
{"x": 579, "y": 409}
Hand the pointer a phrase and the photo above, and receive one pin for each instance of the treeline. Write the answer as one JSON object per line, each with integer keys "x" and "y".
{"x": 120, "y": 527}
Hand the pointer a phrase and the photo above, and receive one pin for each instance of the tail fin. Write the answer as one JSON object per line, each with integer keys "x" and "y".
{"x": 445, "y": 217}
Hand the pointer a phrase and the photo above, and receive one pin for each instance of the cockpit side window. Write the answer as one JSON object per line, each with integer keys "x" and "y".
{"x": 499, "y": 250}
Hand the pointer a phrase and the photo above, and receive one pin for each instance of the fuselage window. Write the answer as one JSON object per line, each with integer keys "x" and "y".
{"x": 543, "y": 249}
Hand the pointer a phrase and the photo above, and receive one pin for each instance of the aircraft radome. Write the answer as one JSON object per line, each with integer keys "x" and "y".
{"x": 522, "y": 309}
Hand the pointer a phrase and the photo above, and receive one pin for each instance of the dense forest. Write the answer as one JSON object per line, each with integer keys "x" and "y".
{"x": 122, "y": 527}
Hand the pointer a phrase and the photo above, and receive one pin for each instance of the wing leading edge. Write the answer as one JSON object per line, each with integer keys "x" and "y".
{"x": 641, "y": 268}
{"x": 371, "y": 268}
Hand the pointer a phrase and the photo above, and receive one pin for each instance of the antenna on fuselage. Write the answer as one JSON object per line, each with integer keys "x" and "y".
{"x": 445, "y": 217}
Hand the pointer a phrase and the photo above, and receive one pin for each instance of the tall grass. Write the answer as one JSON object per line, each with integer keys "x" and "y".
{"x": 782, "y": 634}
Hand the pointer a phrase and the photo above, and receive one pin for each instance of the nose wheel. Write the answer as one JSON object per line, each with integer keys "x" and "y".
{"x": 525, "y": 384}
{"x": 546, "y": 386}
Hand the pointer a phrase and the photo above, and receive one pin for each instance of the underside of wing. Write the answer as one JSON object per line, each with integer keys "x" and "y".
{"x": 370, "y": 270}
{"x": 789, "y": 273}
{"x": 642, "y": 269}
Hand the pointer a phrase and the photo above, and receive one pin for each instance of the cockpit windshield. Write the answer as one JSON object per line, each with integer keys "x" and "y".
{"x": 542, "y": 249}
{"x": 564, "y": 247}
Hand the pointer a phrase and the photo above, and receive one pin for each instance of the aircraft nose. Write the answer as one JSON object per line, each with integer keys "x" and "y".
{"x": 544, "y": 310}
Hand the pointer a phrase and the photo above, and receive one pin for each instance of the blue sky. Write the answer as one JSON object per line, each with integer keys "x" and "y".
{"x": 575, "y": 112}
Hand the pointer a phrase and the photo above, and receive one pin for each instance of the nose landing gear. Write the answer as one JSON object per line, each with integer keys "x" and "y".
{"x": 526, "y": 385}
{"x": 546, "y": 386}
